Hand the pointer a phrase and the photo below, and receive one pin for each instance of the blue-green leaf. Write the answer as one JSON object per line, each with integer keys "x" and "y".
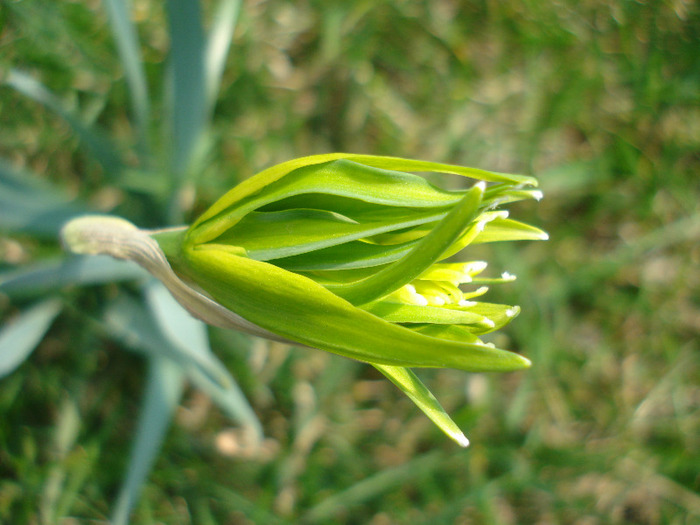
{"x": 30, "y": 204}
{"x": 129, "y": 51}
{"x": 187, "y": 81}
{"x": 52, "y": 275}
{"x": 190, "y": 337}
{"x": 19, "y": 338}
{"x": 163, "y": 391}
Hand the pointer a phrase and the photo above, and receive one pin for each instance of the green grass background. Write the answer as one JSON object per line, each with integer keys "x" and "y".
{"x": 598, "y": 99}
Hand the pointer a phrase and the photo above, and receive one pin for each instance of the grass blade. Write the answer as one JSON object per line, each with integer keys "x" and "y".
{"x": 373, "y": 486}
{"x": 101, "y": 148}
{"x": 163, "y": 391}
{"x": 19, "y": 338}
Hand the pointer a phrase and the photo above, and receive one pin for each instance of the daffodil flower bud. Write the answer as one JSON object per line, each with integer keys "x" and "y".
{"x": 345, "y": 253}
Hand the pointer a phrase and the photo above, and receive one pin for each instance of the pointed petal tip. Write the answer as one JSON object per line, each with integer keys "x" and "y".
{"x": 460, "y": 439}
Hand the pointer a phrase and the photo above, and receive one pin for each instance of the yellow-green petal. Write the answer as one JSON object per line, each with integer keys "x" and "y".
{"x": 414, "y": 388}
{"x": 297, "y": 308}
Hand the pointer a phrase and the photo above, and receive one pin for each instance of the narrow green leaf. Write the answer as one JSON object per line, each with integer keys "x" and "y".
{"x": 300, "y": 309}
{"x": 130, "y": 322}
{"x": 414, "y": 388}
{"x": 399, "y": 164}
{"x": 409, "y": 313}
{"x": 272, "y": 235}
{"x": 351, "y": 255}
{"x": 421, "y": 257}
{"x": 275, "y": 173}
{"x": 499, "y": 314}
{"x": 460, "y": 333}
{"x": 19, "y": 338}
{"x": 509, "y": 230}
{"x": 163, "y": 391}
{"x": 504, "y": 193}
{"x": 338, "y": 177}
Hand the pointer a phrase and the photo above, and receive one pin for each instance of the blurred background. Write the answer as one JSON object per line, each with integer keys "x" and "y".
{"x": 600, "y": 99}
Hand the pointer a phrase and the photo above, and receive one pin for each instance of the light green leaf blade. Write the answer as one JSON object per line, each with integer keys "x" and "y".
{"x": 163, "y": 391}
{"x": 419, "y": 259}
{"x": 504, "y": 193}
{"x": 19, "y": 338}
{"x": 409, "y": 313}
{"x": 460, "y": 333}
{"x": 272, "y": 235}
{"x": 499, "y": 314}
{"x": 339, "y": 177}
{"x": 300, "y": 309}
{"x": 275, "y": 173}
{"x": 424, "y": 399}
{"x": 509, "y": 230}
{"x": 399, "y": 164}
{"x": 351, "y": 255}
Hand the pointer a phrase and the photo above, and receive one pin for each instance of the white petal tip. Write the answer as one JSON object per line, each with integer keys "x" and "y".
{"x": 481, "y": 185}
{"x": 537, "y": 195}
{"x": 461, "y": 439}
{"x": 508, "y": 276}
{"x": 544, "y": 236}
{"x": 511, "y": 312}
{"x": 465, "y": 303}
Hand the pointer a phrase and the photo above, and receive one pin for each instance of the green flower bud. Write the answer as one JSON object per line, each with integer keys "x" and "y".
{"x": 346, "y": 253}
